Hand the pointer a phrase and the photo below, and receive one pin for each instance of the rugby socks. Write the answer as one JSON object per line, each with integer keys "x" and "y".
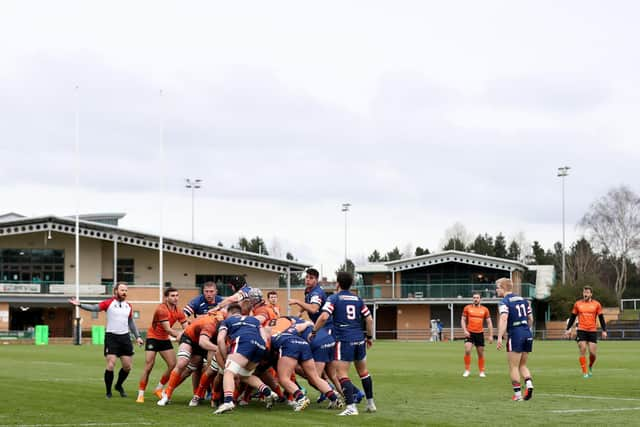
{"x": 203, "y": 386}
{"x": 122, "y": 375}
{"x": 517, "y": 390}
{"x": 297, "y": 395}
{"x": 583, "y": 364}
{"x": 264, "y": 391}
{"x": 108, "y": 380}
{"x": 174, "y": 381}
{"x": 467, "y": 362}
{"x": 592, "y": 360}
{"x": 367, "y": 385}
{"x": 142, "y": 386}
{"x": 163, "y": 381}
{"x": 347, "y": 389}
{"x": 528, "y": 383}
{"x": 228, "y": 396}
{"x": 481, "y": 364}
{"x": 331, "y": 395}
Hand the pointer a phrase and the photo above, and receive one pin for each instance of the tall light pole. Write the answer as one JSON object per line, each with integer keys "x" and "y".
{"x": 345, "y": 209}
{"x": 562, "y": 173}
{"x": 193, "y": 185}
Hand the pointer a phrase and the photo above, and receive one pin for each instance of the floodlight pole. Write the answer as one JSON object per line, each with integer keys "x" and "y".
{"x": 562, "y": 173}
{"x": 345, "y": 209}
{"x": 193, "y": 185}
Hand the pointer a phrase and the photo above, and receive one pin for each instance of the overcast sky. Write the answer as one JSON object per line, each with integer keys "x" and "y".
{"x": 420, "y": 114}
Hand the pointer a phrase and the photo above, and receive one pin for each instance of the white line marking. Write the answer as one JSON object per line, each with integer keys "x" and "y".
{"x": 575, "y": 411}
{"x": 76, "y": 424}
{"x": 576, "y": 396}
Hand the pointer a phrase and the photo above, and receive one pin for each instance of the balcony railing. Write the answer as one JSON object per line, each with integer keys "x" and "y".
{"x": 448, "y": 290}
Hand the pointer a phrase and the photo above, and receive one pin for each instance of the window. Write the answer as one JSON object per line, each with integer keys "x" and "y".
{"x": 126, "y": 270}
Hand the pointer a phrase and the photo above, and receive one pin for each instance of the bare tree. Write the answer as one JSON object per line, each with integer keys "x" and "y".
{"x": 582, "y": 262}
{"x": 613, "y": 225}
{"x": 457, "y": 233}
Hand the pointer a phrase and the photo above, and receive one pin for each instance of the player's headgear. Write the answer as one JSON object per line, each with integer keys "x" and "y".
{"x": 255, "y": 296}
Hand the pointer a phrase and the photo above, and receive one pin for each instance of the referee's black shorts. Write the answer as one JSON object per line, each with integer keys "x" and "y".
{"x": 120, "y": 345}
{"x": 476, "y": 338}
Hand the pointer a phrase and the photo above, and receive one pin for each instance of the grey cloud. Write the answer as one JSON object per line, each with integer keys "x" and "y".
{"x": 549, "y": 93}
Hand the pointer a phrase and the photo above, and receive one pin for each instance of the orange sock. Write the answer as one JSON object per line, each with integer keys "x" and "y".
{"x": 203, "y": 386}
{"x": 592, "y": 359}
{"x": 481, "y": 364}
{"x": 164, "y": 379}
{"x": 467, "y": 362}
{"x": 583, "y": 364}
{"x": 142, "y": 386}
{"x": 174, "y": 381}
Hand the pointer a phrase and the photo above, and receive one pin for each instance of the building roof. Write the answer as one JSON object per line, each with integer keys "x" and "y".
{"x": 443, "y": 257}
{"x": 101, "y": 231}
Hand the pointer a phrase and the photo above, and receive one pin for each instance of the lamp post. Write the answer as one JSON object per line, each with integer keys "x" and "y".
{"x": 193, "y": 185}
{"x": 562, "y": 173}
{"x": 345, "y": 209}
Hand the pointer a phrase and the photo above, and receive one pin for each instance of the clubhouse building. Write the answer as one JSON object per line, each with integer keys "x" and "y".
{"x": 38, "y": 275}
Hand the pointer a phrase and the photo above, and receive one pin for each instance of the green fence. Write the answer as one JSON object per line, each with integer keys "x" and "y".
{"x": 97, "y": 334}
{"x": 42, "y": 334}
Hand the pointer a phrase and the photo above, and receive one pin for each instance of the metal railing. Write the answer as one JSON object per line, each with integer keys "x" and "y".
{"x": 629, "y": 304}
{"x": 436, "y": 290}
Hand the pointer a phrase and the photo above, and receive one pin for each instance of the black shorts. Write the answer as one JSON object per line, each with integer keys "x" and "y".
{"x": 587, "y": 336}
{"x": 153, "y": 344}
{"x": 120, "y": 345}
{"x": 476, "y": 338}
{"x": 195, "y": 348}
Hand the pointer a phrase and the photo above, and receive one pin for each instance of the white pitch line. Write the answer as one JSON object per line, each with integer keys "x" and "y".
{"x": 575, "y": 396}
{"x": 575, "y": 411}
{"x": 76, "y": 424}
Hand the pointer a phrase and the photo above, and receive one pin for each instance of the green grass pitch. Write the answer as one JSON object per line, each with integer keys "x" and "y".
{"x": 415, "y": 383}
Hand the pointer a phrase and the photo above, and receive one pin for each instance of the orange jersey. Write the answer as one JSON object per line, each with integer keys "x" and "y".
{"x": 475, "y": 317}
{"x": 266, "y": 311}
{"x": 275, "y": 308}
{"x": 587, "y": 313}
{"x": 164, "y": 313}
{"x": 203, "y": 325}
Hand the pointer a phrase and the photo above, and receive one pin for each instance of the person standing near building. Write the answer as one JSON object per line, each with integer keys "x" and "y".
{"x": 117, "y": 343}
{"x": 472, "y": 321}
{"x": 158, "y": 341}
{"x": 586, "y": 310}
{"x": 516, "y": 321}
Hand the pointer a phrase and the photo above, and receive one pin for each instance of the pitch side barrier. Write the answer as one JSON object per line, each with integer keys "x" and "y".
{"x": 627, "y": 334}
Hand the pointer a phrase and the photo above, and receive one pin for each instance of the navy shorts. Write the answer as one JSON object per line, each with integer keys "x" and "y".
{"x": 252, "y": 348}
{"x": 520, "y": 341}
{"x": 296, "y": 348}
{"x": 349, "y": 351}
{"x": 323, "y": 350}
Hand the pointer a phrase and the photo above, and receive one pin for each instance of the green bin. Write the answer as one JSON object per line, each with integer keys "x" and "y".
{"x": 97, "y": 334}
{"x": 42, "y": 334}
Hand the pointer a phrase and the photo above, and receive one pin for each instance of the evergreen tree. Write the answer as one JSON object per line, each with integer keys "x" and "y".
{"x": 514, "y": 251}
{"x": 500, "y": 246}
{"x": 394, "y": 255}
{"x": 375, "y": 256}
